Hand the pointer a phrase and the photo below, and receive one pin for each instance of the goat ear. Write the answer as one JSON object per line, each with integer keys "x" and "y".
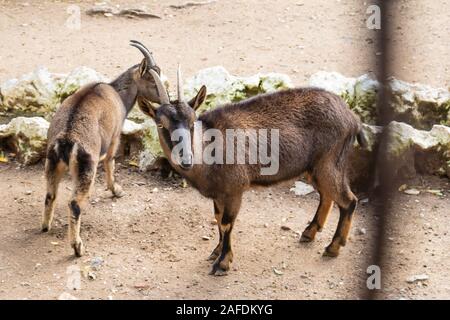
{"x": 143, "y": 67}
{"x": 146, "y": 108}
{"x": 198, "y": 100}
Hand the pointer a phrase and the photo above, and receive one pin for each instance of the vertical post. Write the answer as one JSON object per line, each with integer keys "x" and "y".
{"x": 385, "y": 193}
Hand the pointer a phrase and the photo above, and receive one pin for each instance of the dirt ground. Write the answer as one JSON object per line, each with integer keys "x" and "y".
{"x": 295, "y": 37}
{"x": 150, "y": 244}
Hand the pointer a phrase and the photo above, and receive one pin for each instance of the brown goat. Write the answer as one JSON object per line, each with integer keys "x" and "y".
{"x": 316, "y": 131}
{"x": 86, "y": 129}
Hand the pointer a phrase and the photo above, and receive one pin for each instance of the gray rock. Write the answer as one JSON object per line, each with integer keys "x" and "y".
{"x": 27, "y": 137}
{"x": 34, "y": 93}
{"x": 359, "y": 93}
{"x": 96, "y": 263}
{"x": 224, "y": 88}
{"x": 76, "y": 79}
{"x": 40, "y": 92}
{"x": 302, "y": 189}
{"x": 409, "y": 149}
{"x": 417, "y": 104}
{"x": 142, "y": 140}
{"x": 362, "y": 231}
{"x": 106, "y": 10}
{"x": 420, "y": 105}
{"x": 417, "y": 277}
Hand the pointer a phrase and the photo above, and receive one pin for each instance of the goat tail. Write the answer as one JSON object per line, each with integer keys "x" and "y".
{"x": 356, "y": 134}
{"x": 63, "y": 149}
{"x": 345, "y": 149}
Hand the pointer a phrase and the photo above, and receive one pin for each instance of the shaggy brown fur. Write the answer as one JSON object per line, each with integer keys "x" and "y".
{"x": 86, "y": 130}
{"x": 316, "y": 130}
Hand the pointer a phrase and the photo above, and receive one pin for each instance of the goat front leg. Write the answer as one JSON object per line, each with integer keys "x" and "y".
{"x": 109, "y": 163}
{"x": 231, "y": 209}
{"x": 116, "y": 189}
{"x": 218, "y": 213}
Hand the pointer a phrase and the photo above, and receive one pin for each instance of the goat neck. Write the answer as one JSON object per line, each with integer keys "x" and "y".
{"x": 127, "y": 88}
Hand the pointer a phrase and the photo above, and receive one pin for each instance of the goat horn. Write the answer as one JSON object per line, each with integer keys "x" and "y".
{"x": 180, "y": 85}
{"x": 147, "y": 54}
{"x": 163, "y": 97}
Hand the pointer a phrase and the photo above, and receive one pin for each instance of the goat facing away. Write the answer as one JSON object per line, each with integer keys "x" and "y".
{"x": 316, "y": 131}
{"x": 85, "y": 130}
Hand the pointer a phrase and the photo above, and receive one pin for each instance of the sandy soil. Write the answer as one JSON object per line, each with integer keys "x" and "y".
{"x": 151, "y": 243}
{"x": 152, "y": 247}
{"x": 290, "y": 36}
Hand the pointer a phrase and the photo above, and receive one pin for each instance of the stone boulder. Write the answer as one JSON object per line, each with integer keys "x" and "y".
{"x": 76, "y": 79}
{"x": 359, "y": 93}
{"x": 32, "y": 94}
{"x": 40, "y": 92}
{"x": 420, "y": 105}
{"x": 410, "y": 151}
{"x": 224, "y": 88}
{"x": 26, "y": 137}
{"x": 140, "y": 141}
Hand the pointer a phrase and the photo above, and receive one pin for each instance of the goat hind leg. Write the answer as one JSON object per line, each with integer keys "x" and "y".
{"x": 316, "y": 225}
{"x": 346, "y": 210}
{"x": 53, "y": 175}
{"x": 85, "y": 179}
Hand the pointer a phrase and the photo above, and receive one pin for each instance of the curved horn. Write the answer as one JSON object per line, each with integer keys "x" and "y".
{"x": 140, "y": 43}
{"x": 163, "y": 97}
{"x": 147, "y": 54}
{"x": 180, "y": 85}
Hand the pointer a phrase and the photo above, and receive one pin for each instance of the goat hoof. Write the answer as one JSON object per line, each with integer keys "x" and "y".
{"x": 78, "y": 249}
{"x": 218, "y": 271}
{"x": 220, "y": 268}
{"x": 304, "y": 238}
{"x": 212, "y": 257}
{"x": 309, "y": 234}
{"x": 45, "y": 228}
{"x": 331, "y": 251}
